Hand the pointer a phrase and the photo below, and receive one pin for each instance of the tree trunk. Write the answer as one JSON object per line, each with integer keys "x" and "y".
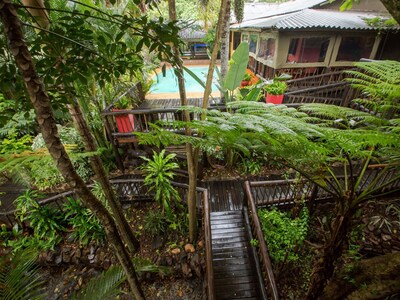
{"x": 192, "y": 165}
{"x": 225, "y": 41}
{"x": 47, "y": 124}
{"x": 331, "y": 252}
{"x": 98, "y": 168}
{"x": 221, "y": 17}
{"x": 393, "y": 6}
{"x": 372, "y": 278}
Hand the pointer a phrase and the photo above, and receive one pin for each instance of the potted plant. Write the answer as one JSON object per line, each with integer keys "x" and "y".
{"x": 275, "y": 92}
{"x": 125, "y": 122}
{"x": 246, "y": 80}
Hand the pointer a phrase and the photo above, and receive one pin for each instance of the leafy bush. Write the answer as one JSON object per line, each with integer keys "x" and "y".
{"x": 282, "y": 233}
{"x": 154, "y": 223}
{"x": 68, "y": 136}
{"x": 45, "y": 221}
{"x": 86, "y": 225}
{"x": 252, "y": 166}
{"x": 12, "y": 144}
{"x": 159, "y": 173}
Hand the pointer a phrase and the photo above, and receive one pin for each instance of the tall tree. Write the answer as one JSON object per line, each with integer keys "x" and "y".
{"x": 42, "y": 105}
{"x": 38, "y": 11}
{"x": 225, "y": 40}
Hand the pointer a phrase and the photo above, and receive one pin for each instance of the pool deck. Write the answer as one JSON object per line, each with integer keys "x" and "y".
{"x": 189, "y": 95}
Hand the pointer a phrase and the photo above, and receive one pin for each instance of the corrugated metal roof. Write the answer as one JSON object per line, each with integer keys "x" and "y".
{"x": 312, "y": 19}
{"x": 189, "y": 34}
{"x": 261, "y": 10}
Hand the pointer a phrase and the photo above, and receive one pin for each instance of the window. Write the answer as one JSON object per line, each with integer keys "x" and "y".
{"x": 352, "y": 48}
{"x": 236, "y": 39}
{"x": 308, "y": 50}
{"x": 253, "y": 43}
{"x": 245, "y": 38}
{"x": 266, "y": 49}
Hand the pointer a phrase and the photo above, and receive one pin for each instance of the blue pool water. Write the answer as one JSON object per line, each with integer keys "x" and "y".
{"x": 169, "y": 83}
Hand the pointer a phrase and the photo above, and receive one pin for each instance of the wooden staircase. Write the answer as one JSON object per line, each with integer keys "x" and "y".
{"x": 235, "y": 275}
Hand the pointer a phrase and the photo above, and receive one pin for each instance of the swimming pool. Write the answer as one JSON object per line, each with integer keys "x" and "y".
{"x": 169, "y": 83}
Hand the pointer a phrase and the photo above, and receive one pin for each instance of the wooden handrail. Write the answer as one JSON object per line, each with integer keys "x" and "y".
{"x": 263, "y": 251}
{"x": 308, "y": 78}
{"x": 208, "y": 245}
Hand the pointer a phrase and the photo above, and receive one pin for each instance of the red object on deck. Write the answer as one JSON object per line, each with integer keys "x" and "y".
{"x": 125, "y": 123}
{"x": 274, "y": 99}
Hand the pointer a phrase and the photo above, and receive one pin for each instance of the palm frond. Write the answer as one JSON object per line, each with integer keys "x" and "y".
{"x": 19, "y": 278}
{"x": 104, "y": 286}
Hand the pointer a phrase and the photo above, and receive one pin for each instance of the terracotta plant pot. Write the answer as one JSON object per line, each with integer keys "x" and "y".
{"x": 274, "y": 99}
{"x": 125, "y": 123}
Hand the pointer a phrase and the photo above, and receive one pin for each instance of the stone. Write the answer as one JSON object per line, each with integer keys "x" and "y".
{"x": 58, "y": 260}
{"x": 187, "y": 272}
{"x": 175, "y": 251}
{"x": 386, "y": 237}
{"x": 189, "y": 248}
{"x": 371, "y": 227}
{"x": 200, "y": 244}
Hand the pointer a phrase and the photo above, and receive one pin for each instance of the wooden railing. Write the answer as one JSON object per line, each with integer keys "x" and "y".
{"x": 134, "y": 190}
{"x": 316, "y": 80}
{"x": 286, "y": 192}
{"x": 262, "y": 251}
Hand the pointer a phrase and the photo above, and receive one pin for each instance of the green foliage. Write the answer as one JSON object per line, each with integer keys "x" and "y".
{"x": 380, "y": 85}
{"x": 104, "y": 286}
{"x": 251, "y": 166}
{"x": 107, "y": 284}
{"x": 276, "y": 88}
{"x": 159, "y": 173}
{"x": 154, "y": 223}
{"x": 87, "y": 227}
{"x": 19, "y": 276}
{"x": 238, "y": 9}
{"x": 247, "y": 77}
{"x": 12, "y": 144}
{"x": 237, "y": 67}
{"x": 44, "y": 220}
{"x": 68, "y": 136}
{"x": 283, "y": 234}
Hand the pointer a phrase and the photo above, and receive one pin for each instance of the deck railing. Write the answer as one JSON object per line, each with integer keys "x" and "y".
{"x": 287, "y": 192}
{"x": 316, "y": 80}
{"x": 262, "y": 251}
{"x": 134, "y": 190}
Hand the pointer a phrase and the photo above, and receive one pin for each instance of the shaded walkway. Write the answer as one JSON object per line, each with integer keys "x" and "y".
{"x": 234, "y": 262}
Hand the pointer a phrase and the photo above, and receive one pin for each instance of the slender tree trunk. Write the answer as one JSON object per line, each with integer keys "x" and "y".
{"x": 98, "y": 168}
{"x": 393, "y": 6}
{"x": 331, "y": 252}
{"x": 221, "y": 17}
{"x": 225, "y": 41}
{"x": 47, "y": 124}
{"x": 192, "y": 165}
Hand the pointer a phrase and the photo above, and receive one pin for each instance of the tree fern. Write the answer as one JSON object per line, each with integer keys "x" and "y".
{"x": 380, "y": 85}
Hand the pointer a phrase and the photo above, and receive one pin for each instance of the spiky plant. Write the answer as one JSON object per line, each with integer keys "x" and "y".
{"x": 159, "y": 173}
{"x": 19, "y": 277}
{"x": 379, "y": 83}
